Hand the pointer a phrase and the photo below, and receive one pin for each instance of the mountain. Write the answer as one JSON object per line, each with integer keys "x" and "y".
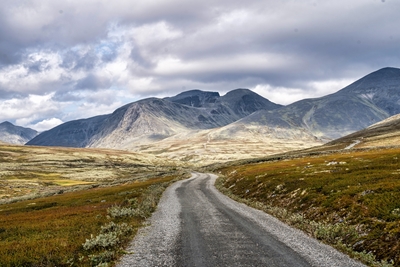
{"x": 369, "y": 100}
{"x": 153, "y": 119}
{"x": 9, "y": 133}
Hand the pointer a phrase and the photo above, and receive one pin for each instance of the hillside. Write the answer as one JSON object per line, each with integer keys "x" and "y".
{"x": 77, "y": 133}
{"x": 383, "y": 133}
{"x": 349, "y": 199}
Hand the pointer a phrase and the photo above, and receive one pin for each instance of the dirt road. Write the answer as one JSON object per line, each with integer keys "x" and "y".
{"x": 195, "y": 225}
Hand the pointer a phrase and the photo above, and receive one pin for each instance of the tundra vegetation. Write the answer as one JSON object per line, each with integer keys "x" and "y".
{"x": 74, "y": 207}
{"x": 348, "y": 199}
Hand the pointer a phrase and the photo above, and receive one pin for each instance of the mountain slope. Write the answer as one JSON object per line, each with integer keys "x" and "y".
{"x": 77, "y": 133}
{"x": 365, "y": 102}
{"x": 149, "y": 120}
{"x": 12, "y": 134}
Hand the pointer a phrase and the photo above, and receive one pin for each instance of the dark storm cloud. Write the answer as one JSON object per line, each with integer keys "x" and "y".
{"x": 65, "y": 50}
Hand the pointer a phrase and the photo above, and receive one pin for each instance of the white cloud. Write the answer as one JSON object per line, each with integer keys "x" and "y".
{"x": 280, "y": 95}
{"x": 28, "y": 108}
{"x": 285, "y": 95}
{"x": 46, "y": 124}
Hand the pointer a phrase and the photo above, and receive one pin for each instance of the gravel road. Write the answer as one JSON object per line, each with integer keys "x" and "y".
{"x": 196, "y": 225}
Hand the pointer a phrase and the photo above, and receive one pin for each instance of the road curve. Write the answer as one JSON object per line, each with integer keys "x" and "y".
{"x": 195, "y": 225}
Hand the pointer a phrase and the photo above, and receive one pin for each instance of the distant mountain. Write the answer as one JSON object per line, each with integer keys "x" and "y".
{"x": 154, "y": 119}
{"x": 365, "y": 102}
{"x": 9, "y": 133}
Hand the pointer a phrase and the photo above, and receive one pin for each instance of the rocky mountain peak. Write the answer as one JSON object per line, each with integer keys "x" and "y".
{"x": 244, "y": 102}
{"x": 381, "y": 88}
{"x": 6, "y": 124}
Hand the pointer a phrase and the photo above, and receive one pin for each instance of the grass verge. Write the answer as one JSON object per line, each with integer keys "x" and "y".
{"x": 350, "y": 200}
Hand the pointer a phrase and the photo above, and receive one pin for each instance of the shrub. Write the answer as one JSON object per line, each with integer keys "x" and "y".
{"x": 118, "y": 212}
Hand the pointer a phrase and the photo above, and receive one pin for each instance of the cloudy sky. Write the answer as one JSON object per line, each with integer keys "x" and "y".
{"x": 65, "y": 60}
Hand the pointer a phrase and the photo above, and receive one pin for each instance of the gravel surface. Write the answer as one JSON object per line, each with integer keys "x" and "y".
{"x": 196, "y": 225}
{"x": 154, "y": 245}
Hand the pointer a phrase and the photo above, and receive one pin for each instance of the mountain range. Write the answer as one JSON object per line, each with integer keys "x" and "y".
{"x": 12, "y": 134}
{"x": 154, "y": 119}
{"x": 196, "y": 123}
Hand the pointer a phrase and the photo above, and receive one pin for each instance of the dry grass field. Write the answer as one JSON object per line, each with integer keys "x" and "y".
{"x": 75, "y": 207}
{"x": 82, "y": 228}
{"x": 200, "y": 148}
{"x": 28, "y": 172}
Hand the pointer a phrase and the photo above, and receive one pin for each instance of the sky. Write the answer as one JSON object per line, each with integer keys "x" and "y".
{"x": 73, "y": 59}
